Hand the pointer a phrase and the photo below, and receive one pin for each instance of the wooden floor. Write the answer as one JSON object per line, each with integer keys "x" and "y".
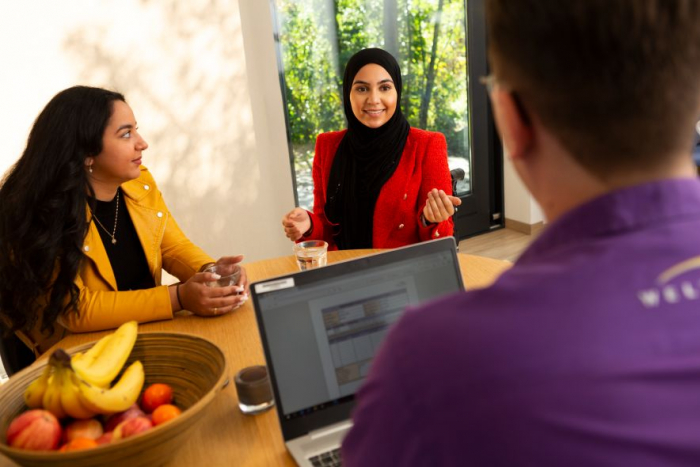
{"x": 500, "y": 244}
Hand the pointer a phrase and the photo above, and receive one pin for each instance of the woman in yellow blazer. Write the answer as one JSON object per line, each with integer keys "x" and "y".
{"x": 85, "y": 233}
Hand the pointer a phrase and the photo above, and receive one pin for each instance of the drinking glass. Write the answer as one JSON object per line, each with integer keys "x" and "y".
{"x": 311, "y": 254}
{"x": 254, "y": 390}
{"x": 230, "y": 274}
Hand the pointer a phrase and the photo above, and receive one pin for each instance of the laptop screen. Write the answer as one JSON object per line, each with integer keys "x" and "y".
{"x": 322, "y": 328}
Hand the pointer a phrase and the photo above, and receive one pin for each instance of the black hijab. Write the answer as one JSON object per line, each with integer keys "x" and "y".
{"x": 365, "y": 160}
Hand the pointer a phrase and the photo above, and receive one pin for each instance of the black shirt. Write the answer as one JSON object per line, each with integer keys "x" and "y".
{"x": 126, "y": 255}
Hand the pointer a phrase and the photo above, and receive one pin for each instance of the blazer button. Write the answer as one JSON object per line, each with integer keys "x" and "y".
{"x": 160, "y": 214}
{"x": 437, "y": 234}
{"x": 405, "y": 195}
{"x": 86, "y": 248}
{"x": 400, "y": 226}
{"x": 146, "y": 187}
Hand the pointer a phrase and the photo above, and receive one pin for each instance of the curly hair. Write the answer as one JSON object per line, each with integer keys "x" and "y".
{"x": 43, "y": 220}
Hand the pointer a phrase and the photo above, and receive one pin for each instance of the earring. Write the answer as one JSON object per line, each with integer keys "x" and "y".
{"x": 90, "y": 168}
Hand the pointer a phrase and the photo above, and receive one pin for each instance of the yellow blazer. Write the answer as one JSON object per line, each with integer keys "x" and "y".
{"x": 100, "y": 305}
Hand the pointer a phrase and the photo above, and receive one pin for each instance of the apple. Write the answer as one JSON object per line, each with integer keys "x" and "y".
{"x": 131, "y": 427}
{"x": 114, "y": 420}
{"x": 90, "y": 429}
{"x": 105, "y": 438}
{"x": 36, "y": 430}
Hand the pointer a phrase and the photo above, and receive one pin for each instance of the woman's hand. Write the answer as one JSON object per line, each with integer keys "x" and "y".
{"x": 439, "y": 206}
{"x": 296, "y": 223}
{"x": 203, "y": 300}
{"x": 243, "y": 281}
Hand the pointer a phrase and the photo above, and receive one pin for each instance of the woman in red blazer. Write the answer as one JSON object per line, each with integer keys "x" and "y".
{"x": 379, "y": 183}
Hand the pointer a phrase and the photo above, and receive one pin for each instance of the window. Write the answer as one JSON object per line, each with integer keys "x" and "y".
{"x": 430, "y": 41}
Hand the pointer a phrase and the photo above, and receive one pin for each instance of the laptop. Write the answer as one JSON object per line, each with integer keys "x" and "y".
{"x": 321, "y": 328}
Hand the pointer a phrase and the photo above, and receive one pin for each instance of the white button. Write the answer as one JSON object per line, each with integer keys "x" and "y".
{"x": 146, "y": 187}
{"x": 160, "y": 214}
{"x": 86, "y": 248}
{"x": 400, "y": 226}
{"x": 437, "y": 234}
{"x": 405, "y": 195}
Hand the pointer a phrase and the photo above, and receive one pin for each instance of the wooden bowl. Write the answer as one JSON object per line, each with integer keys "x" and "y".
{"x": 194, "y": 367}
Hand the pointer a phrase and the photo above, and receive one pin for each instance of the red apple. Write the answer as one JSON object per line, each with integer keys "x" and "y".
{"x": 105, "y": 438}
{"x": 131, "y": 427}
{"x": 36, "y": 430}
{"x": 90, "y": 429}
{"x": 114, "y": 420}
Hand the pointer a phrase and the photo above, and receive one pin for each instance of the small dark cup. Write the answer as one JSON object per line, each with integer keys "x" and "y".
{"x": 254, "y": 390}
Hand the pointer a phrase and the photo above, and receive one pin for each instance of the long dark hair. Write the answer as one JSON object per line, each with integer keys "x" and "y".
{"x": 43, "y": 198}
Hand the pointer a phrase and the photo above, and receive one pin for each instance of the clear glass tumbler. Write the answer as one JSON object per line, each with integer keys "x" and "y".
{"x": 311, "y": 254}
{"x": 230, "y": 275}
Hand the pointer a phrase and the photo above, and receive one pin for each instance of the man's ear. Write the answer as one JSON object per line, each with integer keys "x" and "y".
{"x": 512, "y": 123}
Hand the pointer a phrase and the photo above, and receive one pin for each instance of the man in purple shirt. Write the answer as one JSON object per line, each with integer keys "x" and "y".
{"x": 586, "y": 352}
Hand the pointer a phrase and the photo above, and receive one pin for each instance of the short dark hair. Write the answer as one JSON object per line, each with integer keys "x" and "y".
{"x": 617, "y": 81}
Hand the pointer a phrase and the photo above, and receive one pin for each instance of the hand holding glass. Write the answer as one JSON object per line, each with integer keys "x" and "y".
{"x": 230, "y": 275}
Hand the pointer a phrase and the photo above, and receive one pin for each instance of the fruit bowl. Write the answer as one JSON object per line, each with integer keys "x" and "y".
{"x": 194, "y": 367}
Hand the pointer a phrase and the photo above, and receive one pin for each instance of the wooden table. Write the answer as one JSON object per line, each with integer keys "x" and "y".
{"x": 227, "y": 437}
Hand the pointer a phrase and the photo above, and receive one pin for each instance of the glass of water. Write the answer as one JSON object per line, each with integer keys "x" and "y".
{"x": 311, "y": 254}
{"x": 230, "y": 275}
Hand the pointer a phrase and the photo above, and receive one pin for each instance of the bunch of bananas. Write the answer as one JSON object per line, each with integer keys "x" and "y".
{"x": 78, "y": 387}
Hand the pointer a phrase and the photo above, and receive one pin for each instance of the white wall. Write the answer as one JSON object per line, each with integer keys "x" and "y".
{"x": 268, "y": 108}
{"x": 212, "y": 118}
{"x": 519, "y": 204}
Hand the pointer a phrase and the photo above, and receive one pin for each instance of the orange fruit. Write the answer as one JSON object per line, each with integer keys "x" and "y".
{"x": 164, "y": 413}
{"x": 78, "y": 444}
{"x": 156, "y": 395}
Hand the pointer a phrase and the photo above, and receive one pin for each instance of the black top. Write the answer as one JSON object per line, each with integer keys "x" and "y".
{"x": 126, "y": 255}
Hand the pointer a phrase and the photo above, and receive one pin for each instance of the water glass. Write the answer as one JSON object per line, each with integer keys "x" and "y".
{"x": 311, "y": 254}
{"x": 230, "y": 274}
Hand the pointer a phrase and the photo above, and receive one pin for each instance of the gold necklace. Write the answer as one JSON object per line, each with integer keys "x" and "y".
{"x": 116, "y": 217}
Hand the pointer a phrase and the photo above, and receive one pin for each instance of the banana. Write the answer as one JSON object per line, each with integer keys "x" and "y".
{"x": 70, "y": 396}
{"x": 118, "y": 398}
{"x": 52, "y": 396}
{"x": 84, "y": 360}
{"x": 34, "y": 394}
{"x": 101, "y": 364}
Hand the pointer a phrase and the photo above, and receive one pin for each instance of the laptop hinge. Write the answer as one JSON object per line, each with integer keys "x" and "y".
{"x": 329, "y": 430}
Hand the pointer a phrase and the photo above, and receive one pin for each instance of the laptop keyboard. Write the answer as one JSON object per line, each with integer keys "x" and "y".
{"x": 327, "y": 459}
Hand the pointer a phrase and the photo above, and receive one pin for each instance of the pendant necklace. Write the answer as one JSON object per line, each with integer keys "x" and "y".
{"x": 116, "y": 216}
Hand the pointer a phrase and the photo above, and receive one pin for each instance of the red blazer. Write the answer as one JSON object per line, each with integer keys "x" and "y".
{"x": 423, "y": 166}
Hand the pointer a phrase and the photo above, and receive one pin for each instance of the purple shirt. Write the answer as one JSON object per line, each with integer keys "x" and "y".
{"x": 585, "y": 353}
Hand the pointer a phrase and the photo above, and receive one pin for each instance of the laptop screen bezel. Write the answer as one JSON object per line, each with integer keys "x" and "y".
{"x": 300, "y": 426}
